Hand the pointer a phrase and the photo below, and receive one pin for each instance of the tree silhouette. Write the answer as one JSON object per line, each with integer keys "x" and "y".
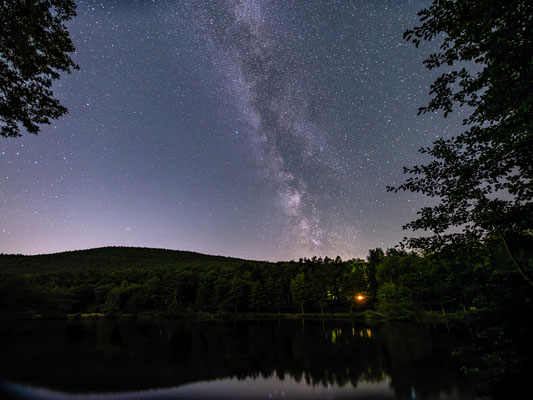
{"x": 482, "y": 177}
{"x": 299, "y": 290}
{"x": 34, "y": 50}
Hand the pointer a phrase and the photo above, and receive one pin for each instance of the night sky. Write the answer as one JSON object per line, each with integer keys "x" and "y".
{"x": 264, "y": 129}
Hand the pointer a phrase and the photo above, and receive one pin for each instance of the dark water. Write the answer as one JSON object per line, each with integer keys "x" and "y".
{"x": 185, "y": 359}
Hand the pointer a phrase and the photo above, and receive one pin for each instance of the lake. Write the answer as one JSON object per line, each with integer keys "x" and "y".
{"x": 264, "y": 359}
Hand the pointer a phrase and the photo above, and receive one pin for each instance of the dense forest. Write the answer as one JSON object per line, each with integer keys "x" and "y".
{"x": 397, "y": 284}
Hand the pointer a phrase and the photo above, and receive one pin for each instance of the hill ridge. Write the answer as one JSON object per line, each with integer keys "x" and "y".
{"x": 161, "y": 250}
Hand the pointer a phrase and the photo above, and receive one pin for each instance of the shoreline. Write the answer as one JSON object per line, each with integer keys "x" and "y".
{"x": 363, "y": 316}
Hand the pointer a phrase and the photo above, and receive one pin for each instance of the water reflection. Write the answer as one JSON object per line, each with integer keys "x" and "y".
{"x": 231, "y": 388}
{"x": 260, "y": 359}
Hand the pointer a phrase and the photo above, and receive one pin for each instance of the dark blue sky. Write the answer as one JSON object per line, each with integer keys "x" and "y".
{"x": 259, "y": 129}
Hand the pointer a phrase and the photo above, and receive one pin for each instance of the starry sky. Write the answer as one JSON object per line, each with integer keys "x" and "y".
{"x": 261, "y": 129}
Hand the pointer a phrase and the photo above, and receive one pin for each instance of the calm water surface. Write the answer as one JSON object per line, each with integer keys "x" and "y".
{"x": 185, "y": 359}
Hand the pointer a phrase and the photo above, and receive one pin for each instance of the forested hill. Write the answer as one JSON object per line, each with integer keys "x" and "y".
{"x": 129, "y": 280}
{"x": 112, "y": 257}
{"x": 118, "y": 280}
{"x": 126, "y": 280}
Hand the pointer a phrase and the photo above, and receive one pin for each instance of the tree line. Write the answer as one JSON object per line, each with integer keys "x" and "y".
{"x": 396, "y": 283}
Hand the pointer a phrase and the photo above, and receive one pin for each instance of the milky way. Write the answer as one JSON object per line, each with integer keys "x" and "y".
{"x": 275, "y": 109}
{"x": 260, "y": 129}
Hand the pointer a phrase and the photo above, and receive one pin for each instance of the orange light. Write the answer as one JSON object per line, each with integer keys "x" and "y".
{"x": 360, "y": 297}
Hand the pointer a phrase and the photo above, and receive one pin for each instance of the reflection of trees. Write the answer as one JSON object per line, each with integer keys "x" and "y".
{"x": 414, "y": 360}
{"x": 109, "y": 355}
